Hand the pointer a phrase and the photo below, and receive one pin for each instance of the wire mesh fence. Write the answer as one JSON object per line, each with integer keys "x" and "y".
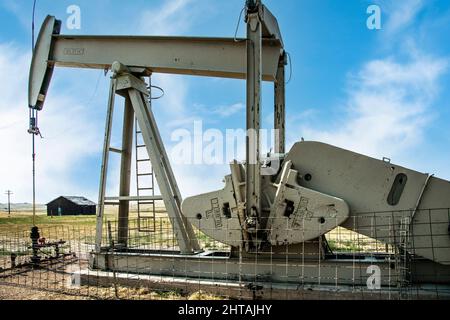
{"x": 385, "y": 260}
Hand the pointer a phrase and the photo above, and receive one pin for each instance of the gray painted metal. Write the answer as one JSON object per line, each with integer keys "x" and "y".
{"x": 254, "y": 88}
{"x": 104, "y": 168}
{"x": 313, "y": 213}
{"x": 212, "y": 57}
{"x": 166, "y": 181}
{"x": 175, "y": 55}
{"x": 365, "y": 183}
{"x": 115, "y": 150}
{"x": 206, "y": 211}
{"x": 136, "y": 94}
{"x": 259, "y": 270}
{"x": 316, "y": 213}
{"x": 239, "y": 187}
{"x": 242, "y": 290}
{"x": 271, "y": 29}
{"x": 40, "y": 70}
{"x": 135, "y": 199}
{"x": 280, "y": 109}
{"x": 125, "y": 172}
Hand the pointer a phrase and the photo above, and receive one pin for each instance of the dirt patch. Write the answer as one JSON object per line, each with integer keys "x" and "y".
{"x": 55, "y": 283}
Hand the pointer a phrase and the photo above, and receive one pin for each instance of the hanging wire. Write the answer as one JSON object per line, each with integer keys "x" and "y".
{"x": 33, "y": 118}
{"x": 290, "y": 67}
{"x": 238, "y": 24}
{"x": 94, "y": 93}
{"x": 34, "y": 172}
{"x": 160, "y": 89}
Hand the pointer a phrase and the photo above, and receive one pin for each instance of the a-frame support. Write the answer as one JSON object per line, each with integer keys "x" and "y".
{"x": 134, "y": 90}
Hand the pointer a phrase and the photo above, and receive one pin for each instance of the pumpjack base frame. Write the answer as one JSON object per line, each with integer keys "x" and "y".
{"x": 217, "y": 273}
{"x": 221, "y": 266}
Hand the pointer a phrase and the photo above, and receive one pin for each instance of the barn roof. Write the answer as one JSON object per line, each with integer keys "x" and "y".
{"x": 81, "y": 201}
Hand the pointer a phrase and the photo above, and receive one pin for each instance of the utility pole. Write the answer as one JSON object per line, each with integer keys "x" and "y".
{"x": 9, "y": 193}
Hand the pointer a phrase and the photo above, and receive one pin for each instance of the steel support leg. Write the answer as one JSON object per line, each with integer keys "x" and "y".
{"x": 280, "y": 109}
{"x": 125, "y": 172}
{"x": 183, "y": 230}
{"x": 104, "y": 169}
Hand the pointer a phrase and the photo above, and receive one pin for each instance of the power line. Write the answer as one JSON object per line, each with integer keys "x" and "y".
{"x": 9, "y": 193}
{"x": 238, "y": 24}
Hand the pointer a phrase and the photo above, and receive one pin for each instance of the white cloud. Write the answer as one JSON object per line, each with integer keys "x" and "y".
{"x": 172, "y": 18}
{"x": 400, "y": 14}
{"x": 389, "y": 102}
{"x": 17, "y": 10}
{"x": 218, "y": 113}
{"x": 388, "y": 107}
{"x": 71, "y": 136}
{"x": 174, "y": 110}
{"x": 198, "y": 179}
{"x": 228, "y": 111}
{"x": 173, "y": 104}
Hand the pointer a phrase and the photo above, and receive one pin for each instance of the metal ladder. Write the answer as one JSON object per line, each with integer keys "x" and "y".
{"x": 136, "y": 89}
{"x": 146, "y": 209}
{"x": 403, "y": 258}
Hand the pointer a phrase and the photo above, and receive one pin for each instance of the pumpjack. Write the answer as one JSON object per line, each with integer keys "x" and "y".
{"x": 269, "y": 209}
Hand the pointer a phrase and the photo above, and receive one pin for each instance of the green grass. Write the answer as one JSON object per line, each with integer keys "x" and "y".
{"x": 84, "y": 229}
{"x": 19, "y": 253}
{"x": 343, "y": 246}
{"x": 24, "y": 221}
{"x": 44, "y": 220}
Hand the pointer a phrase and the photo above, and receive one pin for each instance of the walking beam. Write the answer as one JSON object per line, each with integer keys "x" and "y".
{"x": 212, "y": 57}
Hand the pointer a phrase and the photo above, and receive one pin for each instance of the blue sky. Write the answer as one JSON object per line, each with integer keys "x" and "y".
{"x": 383, "y": 93}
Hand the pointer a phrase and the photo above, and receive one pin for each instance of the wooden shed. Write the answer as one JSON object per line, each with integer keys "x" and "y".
{"x": 71, "y": 206}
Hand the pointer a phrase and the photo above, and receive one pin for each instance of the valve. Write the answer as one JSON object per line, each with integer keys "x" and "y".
{"x": 13, "y": 260}
{"x": 35, "y": 236}
{"x": 251, "y": 222}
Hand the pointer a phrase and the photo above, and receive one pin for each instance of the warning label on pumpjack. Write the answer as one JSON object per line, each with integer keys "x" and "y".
{"x": 215, "y": 214}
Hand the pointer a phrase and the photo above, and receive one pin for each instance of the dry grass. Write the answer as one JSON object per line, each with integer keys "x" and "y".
{"x": 200, "y": 296}
{"x": 52, "y": 285}
{"x": 343, "y": 240}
